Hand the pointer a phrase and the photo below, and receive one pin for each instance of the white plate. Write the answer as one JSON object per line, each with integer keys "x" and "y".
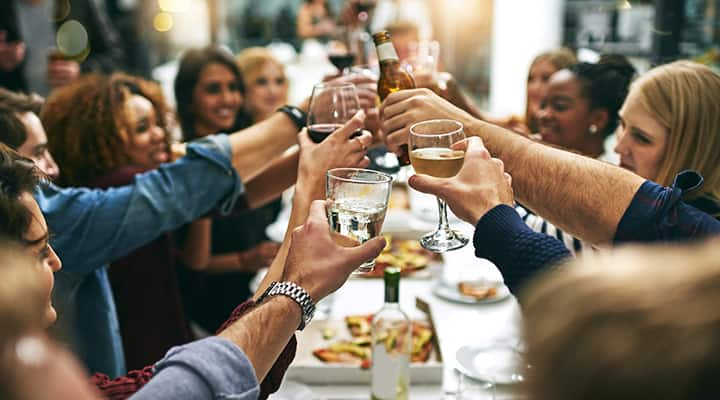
{"x": 497, "y": 363}
{"x": 447, "y": 292}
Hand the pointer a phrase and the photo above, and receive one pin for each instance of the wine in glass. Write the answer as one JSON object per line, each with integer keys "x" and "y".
{"x": 437, "y": 148}
{"x": 332, "y": 105}
{"x": 342, "y": 50}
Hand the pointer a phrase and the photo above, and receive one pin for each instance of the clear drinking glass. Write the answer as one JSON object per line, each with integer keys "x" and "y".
{"x": 357, "y": 201}
{"x": 332, "y": 105}
{"x": 437, "y": 148}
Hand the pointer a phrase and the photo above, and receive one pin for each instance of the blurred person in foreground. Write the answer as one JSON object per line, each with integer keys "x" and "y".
{"x": 634, "y": 323}
{"x": 21, "y": 129}
{"x": 38, "y": 40}
{"x": 229, "y": 364}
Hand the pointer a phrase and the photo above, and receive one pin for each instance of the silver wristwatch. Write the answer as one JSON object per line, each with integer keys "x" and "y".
{"x": 295, "y": 292}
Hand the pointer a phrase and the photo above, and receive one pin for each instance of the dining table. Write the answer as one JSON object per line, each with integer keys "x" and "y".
{"x": 458, "y": 325}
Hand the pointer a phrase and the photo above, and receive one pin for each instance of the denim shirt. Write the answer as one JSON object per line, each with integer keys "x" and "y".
{"x": 91, "y": 228}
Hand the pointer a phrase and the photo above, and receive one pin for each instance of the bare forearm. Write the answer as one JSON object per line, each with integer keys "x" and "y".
{"x": 253, "y": 148}
{"x": 582, "y": 196}
{"x": 196, "y": 249}
{"x": 273, "y": 180}
{"x": 263, "y": 333}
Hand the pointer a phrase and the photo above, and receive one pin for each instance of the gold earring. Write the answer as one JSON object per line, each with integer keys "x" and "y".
{"x": 593, "y": 129}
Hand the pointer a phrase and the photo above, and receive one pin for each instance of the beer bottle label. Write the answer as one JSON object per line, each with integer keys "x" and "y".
{"x": 386, "y": 51}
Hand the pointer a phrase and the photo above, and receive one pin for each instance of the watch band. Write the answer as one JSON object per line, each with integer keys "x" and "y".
{"x": 296, "y": 114}
{"x": 297, "y": 294}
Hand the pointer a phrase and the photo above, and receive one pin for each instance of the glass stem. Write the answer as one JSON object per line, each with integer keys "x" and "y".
{"x": 443, "y": 225}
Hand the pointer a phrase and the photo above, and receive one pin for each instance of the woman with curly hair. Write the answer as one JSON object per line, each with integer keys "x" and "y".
{"x": 104, "y": 130}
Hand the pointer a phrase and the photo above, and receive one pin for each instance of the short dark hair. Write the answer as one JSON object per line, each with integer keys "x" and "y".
{"x": 12, "y": 105}
{"x": 606, "y": 84}
{"x": 192, "y": 63}
{"x": 18, "y": 175}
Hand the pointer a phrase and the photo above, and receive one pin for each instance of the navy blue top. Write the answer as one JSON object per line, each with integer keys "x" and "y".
{"x": 656, "y": 213}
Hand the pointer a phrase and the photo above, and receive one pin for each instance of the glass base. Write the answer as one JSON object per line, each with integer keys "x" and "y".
{"x": 441, "y": 241}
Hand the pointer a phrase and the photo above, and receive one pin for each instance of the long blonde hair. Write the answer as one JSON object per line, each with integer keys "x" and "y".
{"x": 627, "y": 324}
{"x": 252, "y": 61}
{"x": 684, "y": 97}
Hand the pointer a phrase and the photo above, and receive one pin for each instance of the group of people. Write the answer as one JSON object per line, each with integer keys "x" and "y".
{"x": 126, "y": 242}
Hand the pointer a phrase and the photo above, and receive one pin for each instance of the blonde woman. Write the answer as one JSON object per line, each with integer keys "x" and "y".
{"x": 266, "y": 85}
{"x": 634, "y": 324}
{"x": 670, "y": 123}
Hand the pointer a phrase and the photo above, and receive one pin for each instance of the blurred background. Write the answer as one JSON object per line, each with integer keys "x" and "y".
{"x": 487, "y": 45}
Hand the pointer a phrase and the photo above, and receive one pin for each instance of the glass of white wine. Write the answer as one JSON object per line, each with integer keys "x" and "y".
{"x": 437, "y": 148}
{"x": 357, "y": 201}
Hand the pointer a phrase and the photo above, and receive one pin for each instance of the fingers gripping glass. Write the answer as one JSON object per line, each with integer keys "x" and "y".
{"x": 357, "y": 201}
{"x": 438, "y": 149}
{"x": 331, "y": 107}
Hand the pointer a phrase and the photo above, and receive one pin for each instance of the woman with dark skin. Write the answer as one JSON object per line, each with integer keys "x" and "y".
{"x": 87, "y": 122}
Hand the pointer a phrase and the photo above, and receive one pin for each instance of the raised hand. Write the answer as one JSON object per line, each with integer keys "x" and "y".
{"x": 402, "y": 109}
{"x": 317, "y": 263}
{"x": 480, "y": 185}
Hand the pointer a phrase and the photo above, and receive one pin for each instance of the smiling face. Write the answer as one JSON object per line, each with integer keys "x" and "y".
{"x": 216, "y": 99}
{"x": 266, "y": 91}
{"x": 47, "y": 261}
{"x": 146, "y": 144}
{"x": 566, "y": 116}
{"x": 642, "y": 142}
{"x": 35, "y": 146}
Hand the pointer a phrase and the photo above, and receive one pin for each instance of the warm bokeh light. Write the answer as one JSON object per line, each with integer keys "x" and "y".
{"x": 163, "y": 22}
{"x": 176, "y": 6}
{"x": 72, "y": 38}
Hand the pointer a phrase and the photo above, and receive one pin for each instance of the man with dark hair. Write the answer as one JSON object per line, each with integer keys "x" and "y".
{"x": 21, "y": 129}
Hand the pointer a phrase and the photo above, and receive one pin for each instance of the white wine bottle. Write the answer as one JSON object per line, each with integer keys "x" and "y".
{"x": 392, "y": 77}
{"x": 391, "y": 345}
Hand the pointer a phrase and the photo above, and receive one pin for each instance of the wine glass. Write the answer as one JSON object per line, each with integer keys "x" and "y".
{"x": 437, "y": 148}
{"x": 332, "y": 105}
{"x": 342, "y": 50}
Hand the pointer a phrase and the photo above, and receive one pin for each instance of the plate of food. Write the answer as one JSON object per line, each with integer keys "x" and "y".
{"x": 340, "y": 351}
{"x": 476, "y": 291}
{"x": 406, "y": 255}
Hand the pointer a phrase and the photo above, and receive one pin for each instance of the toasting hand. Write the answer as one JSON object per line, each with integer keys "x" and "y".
{"x": 403, "y": 109}
{"x": 317, "y": 263}
{"x": 480, "y": 185}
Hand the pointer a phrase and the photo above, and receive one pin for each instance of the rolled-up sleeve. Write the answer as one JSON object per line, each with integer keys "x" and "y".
{"x": 212, "y": 368}
{"x": 93, "y": 227}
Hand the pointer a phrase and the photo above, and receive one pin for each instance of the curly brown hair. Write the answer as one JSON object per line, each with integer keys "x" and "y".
{"x": 88, "y": 125}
